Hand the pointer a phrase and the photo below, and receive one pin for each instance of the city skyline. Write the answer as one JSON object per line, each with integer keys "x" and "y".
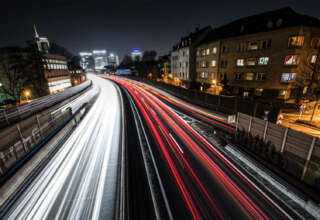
{"x": 141, "y": 25}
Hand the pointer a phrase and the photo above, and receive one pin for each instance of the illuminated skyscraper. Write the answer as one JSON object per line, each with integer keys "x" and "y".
{"x": 100, "y": 59}
{"x": 136, "y": 55}
{"x": 113, "y": 60}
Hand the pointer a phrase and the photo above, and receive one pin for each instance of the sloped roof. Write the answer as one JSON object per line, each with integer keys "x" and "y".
{"x": 267, "y": 21}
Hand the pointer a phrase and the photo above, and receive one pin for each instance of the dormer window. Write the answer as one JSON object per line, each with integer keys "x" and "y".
{"x": 270, "y": 24}
{"x": 279, "y": 22}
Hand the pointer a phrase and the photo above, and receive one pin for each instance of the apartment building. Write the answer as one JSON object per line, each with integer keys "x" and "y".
{"x": 265, "y": 55}
{"x": 183, "y": 57}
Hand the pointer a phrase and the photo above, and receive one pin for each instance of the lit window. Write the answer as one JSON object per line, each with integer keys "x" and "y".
{"x": 240, "y": 62}
{"x": 238, "y": 76}
{"x": 203, "y": 52}
{"x": 313, "y": 59}
{"x": 250, "y": 76}
{"x": 204, "y": 75}
{"x": 258, "y": 92}
{"x": 198, "y": 53}
{"x": 263, "y": 60}
{"x": 213, "y": 63}
{"x": 253, "y": 45}
{"x": 213, "y": 75}
{"x": 251, "y": 61}
{"x": 260, "y": 76}
{"x": 282, "y": 92}
{"x": 214, "y": 50}
{"x": 296, "y": 41}
{"x": 292, "y": 60}
{"x": 204, "y": 64}
{"x": 288, "y": 77}
{"x": 207, "y": 51}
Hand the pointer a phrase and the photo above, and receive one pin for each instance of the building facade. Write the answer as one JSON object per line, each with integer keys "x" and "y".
{"x": 113, "y": 60}
{"x": 56, "y": 72}
{"x": 183, "y": 57}
{"x": 136, "y": 55}
{"x": 86, "y": 60}
{"x": 265, "y": 55}
{"x": 100, "y": 59}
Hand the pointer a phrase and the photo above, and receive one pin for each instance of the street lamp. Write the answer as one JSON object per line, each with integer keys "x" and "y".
{"x": 27, "y": 93}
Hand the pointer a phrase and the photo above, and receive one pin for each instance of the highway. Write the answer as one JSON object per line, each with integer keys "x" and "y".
{"x": 134, "y": 157}
{"x": 81, "y": 181}
{"x": 200, "y": 182}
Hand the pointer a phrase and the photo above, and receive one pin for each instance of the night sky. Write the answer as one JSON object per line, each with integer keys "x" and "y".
{"x": 119, "y": 26}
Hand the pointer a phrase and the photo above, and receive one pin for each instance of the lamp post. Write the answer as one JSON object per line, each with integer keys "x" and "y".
{"x": 27, "y": 93}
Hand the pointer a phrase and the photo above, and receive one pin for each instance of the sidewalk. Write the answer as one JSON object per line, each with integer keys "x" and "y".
{"x": 302, "y": 123}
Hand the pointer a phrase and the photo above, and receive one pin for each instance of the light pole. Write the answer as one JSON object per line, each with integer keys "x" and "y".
{"x": 27, "y": 93}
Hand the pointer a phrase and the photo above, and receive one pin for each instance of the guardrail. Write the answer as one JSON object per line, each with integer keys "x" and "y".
{"x": 16, "y": 113}
{"x": 23, "y": 140}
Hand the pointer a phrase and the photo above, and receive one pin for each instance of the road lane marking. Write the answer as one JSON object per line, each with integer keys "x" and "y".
{"x": 176, "y": 143}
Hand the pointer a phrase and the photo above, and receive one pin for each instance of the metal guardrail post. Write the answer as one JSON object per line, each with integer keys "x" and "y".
{"x": 6, "y": 116}
{"x": 39, "y": 126}
{"x": 250, "y": 124}
{"x": 21, "y": 137}
{"x": 306, "y": 165}
{"x": 284, "y": 140}
{"x": 265, "y": 130}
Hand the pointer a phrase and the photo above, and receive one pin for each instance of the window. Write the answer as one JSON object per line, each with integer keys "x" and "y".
{"x": 266, "y": 44}
{"x": 213, "y": 63}
{"x": 238, "y": 76}
{"x": 313, "y": 59}
{"x": 249, "y": 76}
{"x": 207, "y": 51}
{"x": 225, "y": 49}
{"x": 251, "y": 61}
{"x": 214, "y": 50}
{"x": 224, "y": 63}
{"x": 213, "y": 75}
{"x": 187, "y": 63}
{"x": 203, "y": 52}
{"x": 258, "y": 92}
{"x": 253, "y": 45}
{"x": 223, "y": 76}
{"x": 242, "y": 46}
{"x": 282, "y": 92}
{"x": 260, "y": 76}
{"x": 270, "y": 24}
{"x": 279, "y": 22}
{"x": 315, "y": 43}
{"x": 296, "y": 41}
{"x": 240, "y": 62}
{"x": 263, "y": 60}
{"x": 204, "y": 75}
{"x": 198, "y": 53}
{"x": 288, "y": 77}
{"x": 203, "y": 64}
{"x": 291, "y": 60}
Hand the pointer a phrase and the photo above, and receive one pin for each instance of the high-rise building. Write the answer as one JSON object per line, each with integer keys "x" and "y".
{"x": 86, "y": 60}
{"x": 100, "y": 59}
{"x": 113, "y": 60}
{"x": 136, "y": 55}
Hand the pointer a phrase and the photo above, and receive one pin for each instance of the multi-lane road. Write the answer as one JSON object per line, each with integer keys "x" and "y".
{"x": 134, "y": 157}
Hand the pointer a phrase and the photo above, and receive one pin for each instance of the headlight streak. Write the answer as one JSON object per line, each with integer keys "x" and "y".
{"x": 159, "y": 109}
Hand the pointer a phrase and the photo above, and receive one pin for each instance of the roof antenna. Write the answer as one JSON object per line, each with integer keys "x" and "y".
{"x": 36, "y": 35}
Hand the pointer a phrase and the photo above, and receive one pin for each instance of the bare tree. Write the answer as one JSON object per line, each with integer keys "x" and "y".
{"x": 12, "y": 76}
{"x": 308, "y": 78}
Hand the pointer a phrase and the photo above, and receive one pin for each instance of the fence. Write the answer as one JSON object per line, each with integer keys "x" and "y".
{"x": 16, "y": 113}
{"x": 19, "y": 140}
{"x": 224, "y": 104}
{"x": 301, "y": 151}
